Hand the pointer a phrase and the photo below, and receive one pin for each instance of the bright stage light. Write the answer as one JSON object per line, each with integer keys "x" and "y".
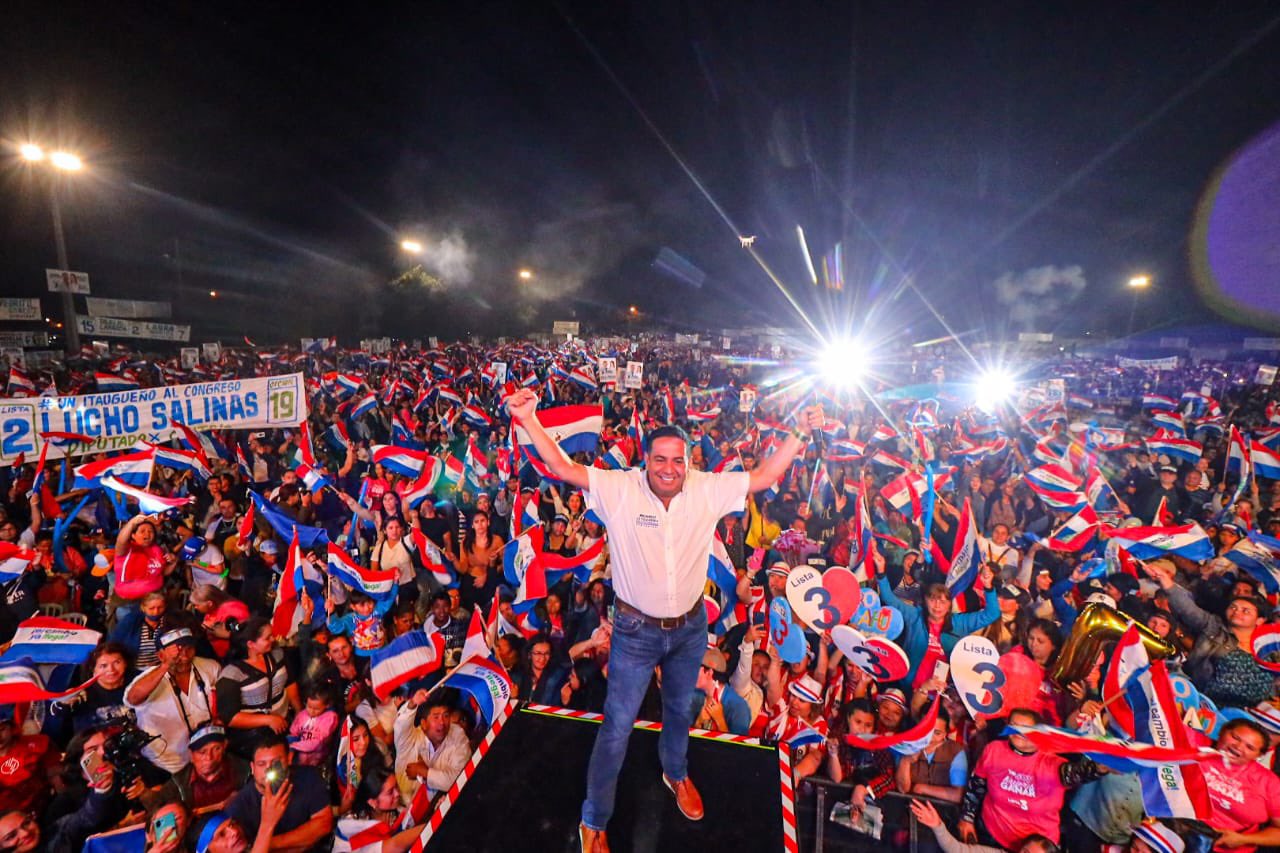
{"x": 31, "y": 153}
{"x": 843, "y": 362}
{"x": 66, "y": 161}
{"x": 411, "y": 246}
{"x": 993, "y": 388}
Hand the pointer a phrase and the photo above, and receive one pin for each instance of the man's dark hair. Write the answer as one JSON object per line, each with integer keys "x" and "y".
{"x": 442, "y": 698}
{"x": 668, "y": 431}
{"x": 439, "y": 595}
{"x": 269, "y": 740}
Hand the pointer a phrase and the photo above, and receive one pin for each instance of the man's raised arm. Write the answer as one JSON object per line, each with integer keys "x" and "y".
{"x": 523, "y": 406}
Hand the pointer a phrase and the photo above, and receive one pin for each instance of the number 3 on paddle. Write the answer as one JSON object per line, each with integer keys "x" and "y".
{"x": 781, "y": 630}
{"x": 830, "y": 616}
{"x": 991, "y": 688}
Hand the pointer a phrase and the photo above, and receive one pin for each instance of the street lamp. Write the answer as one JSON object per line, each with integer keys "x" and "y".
{"x": 525, "y": 275}
{"x": 61, "y": 161}
{"x": 1137, "y": 284}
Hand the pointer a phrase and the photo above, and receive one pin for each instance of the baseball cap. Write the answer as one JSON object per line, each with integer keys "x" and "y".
{"x": 1009, "y": 592}
{"x": 806, "y": 688}
{"x": 101, "y": 565}
{"x": 1168, "y": 469}
{"x": 1231, "y": 527}
{"x": 205, "y": 734}
{"x": 174, "y": 637}
{"x": 192, "y": 546}
{"x": 1101, "y": 598}
{"x": 269, "y": 546}
{"x": 715, "y": 660}
{"x": 1159, "y": 837}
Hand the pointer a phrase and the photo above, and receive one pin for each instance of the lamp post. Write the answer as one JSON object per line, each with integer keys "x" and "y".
{"x": 1137, "y": 284}
{"x": 60, "y": 161}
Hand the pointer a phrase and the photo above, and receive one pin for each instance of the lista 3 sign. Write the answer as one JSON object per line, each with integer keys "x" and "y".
{"x": 120, "y": 419}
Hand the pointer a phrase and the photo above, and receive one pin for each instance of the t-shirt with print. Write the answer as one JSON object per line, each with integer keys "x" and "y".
{"x": 1024, "y": 793}
{"x": 1244, "y": 796}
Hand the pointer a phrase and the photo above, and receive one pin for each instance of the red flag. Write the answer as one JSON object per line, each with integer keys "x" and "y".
{"x": 285, "y": 618}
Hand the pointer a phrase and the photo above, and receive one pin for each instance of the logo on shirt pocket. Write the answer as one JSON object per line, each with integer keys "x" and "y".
{"x": 646, "y": 520}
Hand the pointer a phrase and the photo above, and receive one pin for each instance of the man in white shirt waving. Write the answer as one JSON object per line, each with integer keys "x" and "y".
{"x": 661, "y": 520}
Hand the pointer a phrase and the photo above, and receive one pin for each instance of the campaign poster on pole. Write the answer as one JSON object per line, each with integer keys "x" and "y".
{"x": 746, "y": 399}
{"x": 212, "y": 351}
{"x": 190, "y": 357}
{"x": 500, "y": 372}
{"x": 67, "y": 281}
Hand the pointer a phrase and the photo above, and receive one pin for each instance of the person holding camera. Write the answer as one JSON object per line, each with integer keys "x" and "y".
{"x": 116, "y": 778}
{"x": 307, "y": 821}
{"x": 173, "y": 698}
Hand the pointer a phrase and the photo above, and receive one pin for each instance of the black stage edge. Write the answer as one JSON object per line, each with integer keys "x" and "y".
{"x": 526, "y": 794}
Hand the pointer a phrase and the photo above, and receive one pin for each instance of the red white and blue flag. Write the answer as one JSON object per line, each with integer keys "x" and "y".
{"x": 1266, "y": 462}
{"x": 377, "y": 584}
{"x": 1076, "y": 532}
{"x": 904, "y": 492}
{"x": 132, "y": 469}
{"x": 287, "y": 615}
{"x": 1238, "y": 461}
{"x": 313, "y": 479}
{"x": 20, "y": 681}
{"x": 14, "y": 560}
{"x": 720, "y": 572}
{"x": 1149, "y": 543}
{"x": 484, "y": 680}
{"x": 533, "y": 572}
{"x": 183, "y": 460}
{"x": 423, "y": 487}
{"x": 20, "y": 385}
{"x": 433, "y": 559}
{"x": 967, "y": 556}
{"x": 1174, "y": 446}
{"x": 1119, "y": 755}
{"x": 1259, "y": 555}
{"x": 908, "y": 742}
{"x": 846, "y": 450}
{"x": 1170, "y": 421}
{"x": 107, "y": 382}
{"x": 1057, "y": 486}
{"x": 1158, "y": 401}
{"x": 400, "y": 460}
{"x": 147, "y": 502}
{"x": 1172, "y": 789}
{"x": 407, "y": 658}
{"x": 575, "y": 428}
{"x": 363, "y": 406}
{"x": 44, "y": 639}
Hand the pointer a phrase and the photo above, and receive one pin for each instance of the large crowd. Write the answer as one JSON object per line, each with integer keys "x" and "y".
{"x": 231, "y": 653}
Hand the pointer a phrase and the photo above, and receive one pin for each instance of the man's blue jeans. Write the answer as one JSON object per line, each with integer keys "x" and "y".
{"x": 637, "y": 647}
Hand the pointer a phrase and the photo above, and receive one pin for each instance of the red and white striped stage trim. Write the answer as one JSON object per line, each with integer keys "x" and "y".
{"x": 789, "y": 839}
{"x": 447, "y": 801}
{"x": 557, "y": 711}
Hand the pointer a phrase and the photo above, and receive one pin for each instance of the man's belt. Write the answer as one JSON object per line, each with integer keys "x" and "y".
{"x": 668, "y": 623}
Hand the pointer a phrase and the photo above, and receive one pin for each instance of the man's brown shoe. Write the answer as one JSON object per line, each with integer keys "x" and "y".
{"x": 593, "y": 840}
{"x": 688, "y": 800}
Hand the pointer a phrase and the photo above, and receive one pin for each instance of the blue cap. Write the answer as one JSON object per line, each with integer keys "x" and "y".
{"x": 192, "y": 547}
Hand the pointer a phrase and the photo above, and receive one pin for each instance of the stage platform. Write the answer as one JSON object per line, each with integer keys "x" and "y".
{"x": 524, "y": 787}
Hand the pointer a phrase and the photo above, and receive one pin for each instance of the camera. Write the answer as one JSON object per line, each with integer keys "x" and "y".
{"x": 124, "y": 751}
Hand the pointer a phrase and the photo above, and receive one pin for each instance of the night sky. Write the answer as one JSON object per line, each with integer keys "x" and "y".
{"x": 277, "y": 153}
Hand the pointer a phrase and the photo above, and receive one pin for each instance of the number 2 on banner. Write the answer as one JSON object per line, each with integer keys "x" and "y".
{"x": 282, "y": 406}
{"x": 991, "y": 689}
{"x": 15, "y": 438}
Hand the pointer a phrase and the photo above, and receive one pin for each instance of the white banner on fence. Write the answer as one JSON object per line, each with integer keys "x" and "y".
{"x": 26, "y": 310}
{"x": 115, "y": 327}
{"x": 1170, "y": 363}
{"x": 120, "y": 419}
{"x": 66, "y": 281}
{"x": 564, "y": 327}
{"x": 24, "y": 339}
{"x": 133, "y": 309}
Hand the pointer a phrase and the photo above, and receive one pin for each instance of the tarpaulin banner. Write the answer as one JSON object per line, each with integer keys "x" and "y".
{"x": 118, "y": 420}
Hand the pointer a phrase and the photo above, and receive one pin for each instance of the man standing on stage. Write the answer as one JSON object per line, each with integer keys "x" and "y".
{"x": 661, "y": 520}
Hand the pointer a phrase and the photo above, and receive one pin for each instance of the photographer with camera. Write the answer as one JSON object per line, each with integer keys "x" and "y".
{"x": 116, "y": 777}
{"x": 307, "y": 822}
{"x": 174, "y": 697}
